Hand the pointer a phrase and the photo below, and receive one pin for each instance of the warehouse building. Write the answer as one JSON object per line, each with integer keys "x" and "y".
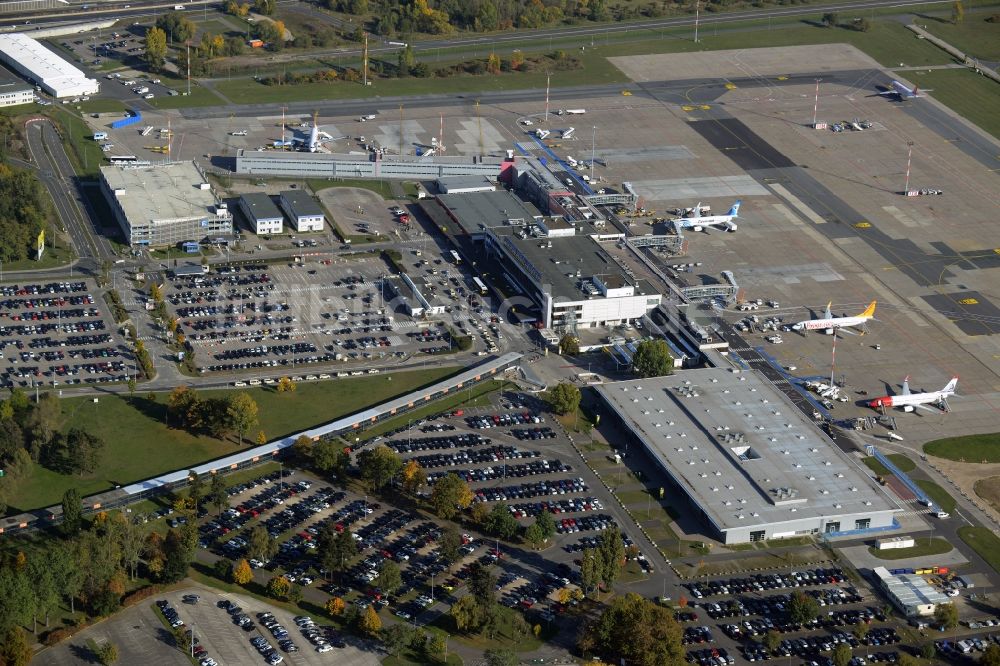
{"x": 263, "y": 216}
{"x": 332, "y": 165}
{"x": 164, "y": 204}
{"x": 14, "y": 91}
{"x": 749, "y": 464}
{"x": 42, "y": 67}
{"x": 910, "y": 593}
{"x": 303, "y": 211}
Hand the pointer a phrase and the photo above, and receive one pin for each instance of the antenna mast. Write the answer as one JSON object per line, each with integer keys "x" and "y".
{"x": 441, "y": 135}
{"x": 400, "y": 130}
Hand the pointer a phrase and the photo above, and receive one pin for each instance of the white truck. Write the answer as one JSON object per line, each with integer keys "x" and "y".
{"x": 571, "y": 112}
{"x": 100, "y": 136}
{"x": 366, "y": 118}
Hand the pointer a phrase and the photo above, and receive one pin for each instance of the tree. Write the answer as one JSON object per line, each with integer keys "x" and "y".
{"x": 957, "y": 12}
{"x": 107, "y": 654}
{"x": 243, "y": 412}
{"x": 612, "y": 554}
{"x": 80, "y": 453}
{"x": 638, "y": 631}
{"x": 183, "y": 404}
{"x": 217, "y": 493}
{"x": 389, "y": 578}
{"x": 493, "y": 64}
{"x": 501, "y": 522}
{"x": 652, "y": 359}
{"x": 260, "y": 545}
{"x": 378, "y": 466}
{"x": 546, "y": 523}
{"x": 533, "y": 535}
{"x": 131, "y": 388}
{"x": 465, "y": 614}
{"x": 177, "y": 552}
{"x": 830, "y": 19}
{"x": 569, "y": 345}
{"x": 396, "y": 637}
{"x": 131, "y": 537}
{"x": 261, "y": 438}
{"x": 242, "y": 573}
{"x": 155, "y": 556}
{"x": 482, "y": 584}
{"x": 196, "y": 488}
{"x": 265, "y": 7}
{"x": 905, "y": 659}
{"x": 370, "y": 623}
{"x": 405, "y": 60}
{"x": 329, "y": 457}
{"x": 434, "y": 648}
{"x": 450, "y": 495}
{"x": 449, "y": 545}
{"x": 927, "y": 650}
{"x": 841, "y": 654}
{"x": 335, "y": 606}
{"x": 946, "y": 616}
{"x": 590, "y": 574}
{"x": 501, "y": 657}
{"x": 178, "y": 27}
{"x": 278, "y": 587}
{"x": 302, "y": 448}
{"x": 563, "y": 398}
{"x": 156, "y": 48}
{"x": 991, "y": 656}
{"x": 15, "y": 649}
{"x": 72, "y": 511}
{"x": 414, "y": 476}
{"x": 336, "y": 548}
{"x": 286, "y": 385}
{"x": 802, "y": 608}
{"x": 860, "y": 631}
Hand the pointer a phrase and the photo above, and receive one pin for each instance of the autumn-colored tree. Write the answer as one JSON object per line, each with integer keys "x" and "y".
{"x": 414, "y": 476}
{"x": 261, "y": 438}
{"x": 493, "y": 64}
{"x": 278, "y": 587}
{"x": 335, "y": 606}
{"x": 21, "y": 561}
{"x": 516, "y": 59}
{"x": 370, "y": 622}
{"x": 242, "y": 573}
{"x": 285, "y": 385}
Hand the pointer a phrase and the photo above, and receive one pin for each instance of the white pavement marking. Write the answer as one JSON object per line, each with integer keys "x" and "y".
{"x": 797, "y": 204}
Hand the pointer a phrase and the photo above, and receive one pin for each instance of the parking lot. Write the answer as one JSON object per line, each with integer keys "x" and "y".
{"x": 58, "y": 334}
{"x": 291, "y": 316}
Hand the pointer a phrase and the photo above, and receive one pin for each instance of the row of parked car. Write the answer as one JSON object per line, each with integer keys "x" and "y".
{"x": 502, "y": 420}
{"x": 410, "y": 445}
{"x": 495, "y": 453}
{"x": 173, "y": 618}
{"x": 769, "y": 581}
{"x": 47, "y": 288}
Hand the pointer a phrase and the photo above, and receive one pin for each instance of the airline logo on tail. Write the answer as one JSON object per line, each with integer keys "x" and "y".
{"x": 830, "y": 323}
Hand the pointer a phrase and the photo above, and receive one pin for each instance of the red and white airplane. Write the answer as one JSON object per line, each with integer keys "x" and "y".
{"x": 910, "y": 401}
{"x": 902, "y": 92}
{"x": 828, "y": 323}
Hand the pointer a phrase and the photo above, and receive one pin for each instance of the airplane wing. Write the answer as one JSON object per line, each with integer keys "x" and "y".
{"x": 844, "y": 329}
{"x": 928, "y": 409}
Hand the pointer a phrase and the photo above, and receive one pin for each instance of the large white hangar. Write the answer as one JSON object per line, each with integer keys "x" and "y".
{"x": 751, "y": 465}
{"x": 42, "y": 67}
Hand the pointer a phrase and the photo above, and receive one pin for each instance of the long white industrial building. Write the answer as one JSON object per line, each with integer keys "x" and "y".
{"x": 42, "y": 67}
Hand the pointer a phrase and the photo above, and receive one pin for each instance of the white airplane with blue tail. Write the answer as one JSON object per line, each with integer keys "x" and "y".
{"x": 698, "y": 222}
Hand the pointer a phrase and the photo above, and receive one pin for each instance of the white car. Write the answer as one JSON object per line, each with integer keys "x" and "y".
{"x": 148, "y": 96}
{"x": 324, "y": 648}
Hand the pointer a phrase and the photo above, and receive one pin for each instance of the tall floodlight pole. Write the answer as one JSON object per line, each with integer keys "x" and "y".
{"x": 189, "y": 67}
{"x": 364, "y": 62}
{"x": 697, "y": 17}
{"x": 816, "y": 103}
{"x": 548, "y": 79}
{"x": 593, "y": 146}
{"x": 909, "y": 156}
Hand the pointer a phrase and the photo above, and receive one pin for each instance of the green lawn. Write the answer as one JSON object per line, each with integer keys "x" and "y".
{"x": 938, "y": 495}
{"x": 972, "y": 96}
{"x": 78, "y": 140}
{"x": 379, "y": 187}
{"x": 898, "y": 459}
{"x": 103, "y": 105}
{"x": 924, "y": 547}
{"x": 200, "y": 96}
{"x": 983, "y": 541}
{"x": 160, "y": 449}
{"x": 974, "y": 36}
{"x": 971, "y": 448}
{"x": 53, "y": 257}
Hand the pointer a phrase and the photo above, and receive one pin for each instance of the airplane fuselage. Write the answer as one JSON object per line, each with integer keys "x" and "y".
{"x": 912, "y": 400}
{"x": 829, "y": 324}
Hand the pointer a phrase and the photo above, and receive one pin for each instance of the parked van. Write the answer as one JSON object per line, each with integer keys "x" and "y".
{"x": 100, "y": 136}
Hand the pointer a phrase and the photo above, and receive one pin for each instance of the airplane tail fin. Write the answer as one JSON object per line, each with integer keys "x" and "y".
{"x": 950, "y": 386}
{"x": 870, "y": 310}
{"x": 735, "y": 210}
{"x": 906, "y": 385}
{"x": 828, "y": 313}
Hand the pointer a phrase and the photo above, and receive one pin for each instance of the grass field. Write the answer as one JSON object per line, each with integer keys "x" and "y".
{"x": 989, "y": 490}
{"x": 898, "y": 459}
{"x": 78, "y": 140}
{"x": 53, "y": 257}
{"x": 972, "y": 96}
{"x": 974, "y": 36}
{"x": 971, "y": 448}
{"x": 938, "y": 495}
{"x": 983, "y": 541}
{"x": 923, "y": 547}
{"x": 160, "y": 449}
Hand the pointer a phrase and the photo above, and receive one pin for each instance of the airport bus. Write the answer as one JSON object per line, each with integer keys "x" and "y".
{"x": 480, "y": 285}
{"x": 123, "y": 159}
{"x": 454, "y": 255}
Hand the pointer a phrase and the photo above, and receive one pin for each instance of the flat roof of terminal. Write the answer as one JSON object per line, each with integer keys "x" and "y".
{"x": 45, "y": 65}
{"x": 161, "y": 192}
{"x": 558, "y": 265}
{"x": 741, "y": 451}
{"x": 302, "y": 202}
{"x": 303, "y": 156}
{"x": 492, "y": 209}
{"x": 8, "y": 78}
{"x": 261, "y": 206}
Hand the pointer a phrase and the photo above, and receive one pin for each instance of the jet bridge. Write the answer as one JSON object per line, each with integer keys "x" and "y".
{"x": 728, "y": 290}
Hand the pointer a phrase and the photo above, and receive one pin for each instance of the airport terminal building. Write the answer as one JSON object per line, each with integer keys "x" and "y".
{"x": 556, "y": 261}
{"x": 749, "y": 464}
{"x": 166, "y": 204}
